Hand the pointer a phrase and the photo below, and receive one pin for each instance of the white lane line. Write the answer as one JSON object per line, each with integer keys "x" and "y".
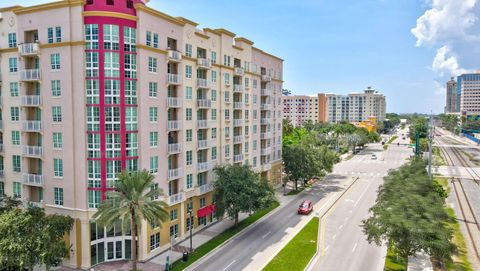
{"x": 229, "y": 265}
{"x": 346, "y": 218}
{"x": 266, "y": 234}
{"x": 355, "y": 247}
{"x": 341, "y": 226}
{"x": 334, "y": 236}
{"x": 326, "y": 249}
{"x": 361, "y": 196}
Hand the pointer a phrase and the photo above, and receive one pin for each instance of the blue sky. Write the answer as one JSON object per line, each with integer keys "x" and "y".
{"x": 342, "y": 46}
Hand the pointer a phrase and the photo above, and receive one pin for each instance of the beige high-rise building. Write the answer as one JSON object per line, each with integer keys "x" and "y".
{"x": 94, "y": 87}
{"x": 469, "y": 85}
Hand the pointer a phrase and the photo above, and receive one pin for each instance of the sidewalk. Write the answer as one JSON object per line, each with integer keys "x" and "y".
{"x": 421, "y": 262}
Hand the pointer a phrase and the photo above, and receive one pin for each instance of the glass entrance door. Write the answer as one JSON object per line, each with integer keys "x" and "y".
{"x": 114, "y": 250}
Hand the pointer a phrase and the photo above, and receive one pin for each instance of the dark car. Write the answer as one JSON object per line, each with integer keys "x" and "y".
{"x": 305, "y": 208}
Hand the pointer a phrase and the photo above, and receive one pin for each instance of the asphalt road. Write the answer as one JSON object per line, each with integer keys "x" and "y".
{"x": 251, "y": 247}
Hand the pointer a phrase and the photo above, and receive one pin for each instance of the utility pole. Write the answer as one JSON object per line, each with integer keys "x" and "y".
{"x": 191, "y": 224}
{"x": 430, "y": 143}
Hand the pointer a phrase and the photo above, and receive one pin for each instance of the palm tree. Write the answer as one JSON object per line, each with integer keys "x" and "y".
{"x": 132, "y": 202}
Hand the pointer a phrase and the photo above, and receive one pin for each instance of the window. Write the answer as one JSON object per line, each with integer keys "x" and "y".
{"x": 110, "y": 37}
{"x": 189, "y": 181}
{"x": 227, "y": 151}
{"x": 227, "y": 78}
{"x": 214, "y": 57}
{"x": 16, "y": 138}
{"x": 152, "y": 114}
{"x": 214, "y": 76}
{"x": 130, "y": 66}
{"x": 214, "y": 133}
{"x": 188, "y": 93}
{"x": 188, "y": 50}
{"x": 254, "y": 145}
{"x": 56, "y": 114}
{"x": 227, "y": 114}
{"x": 189, "y": 158}
{"x": 189, "y": 135}
{"x": 154, "y": 164}
{"x": 188, "y": 71}
{"x": 174, "y": 231}
{"x": 91, "y": 36}
{"x": 55, "y": 61}
{"x": 112, "y": 64}
{"x": 50, "y": 34}
{"x": 58, "y": 34}
{"x": 13, "y": 64}
{"x": 12, "y": 40}
{"x": 214, "y": 114}
{"x": 58, "y": 195}
{"x": 155, "y": 40}
{"x": 153, "y": 139}
{"x": 58, "y": 167}
{"x": 152, "y": 64}
{"x": 15, "y": 113}
{"x": 92, "y": 89}
{"x": 203, "y": 202}
{"x": 129, "y": 39}
{"x": 16, "y": 162}
{"x": 2, "y": 190}
{"x": 93, "y": 148}
{"x": 254, "y": 83}
{"x": 154, "y": 241}
{"x": 227, "y": 132}
{"x": 148, "y": 38}
{"x": 112, "y": 118}
{"x": 173, "y": 214}
{"x": 188, "y": 114}
{"x": 227, "y": 96}
{"x": 130, "y": 92}
{"x": 247, "y": 82}
{"x": 214, "y": 153}
{"x": 93, "y": 199}
{"x": 246, "y": 147}
{"x": 112, "y": 91}
{"x": 226, "y": 60}
{"x": 57, "y": 140}
{"x": 14, "y": 89}
{"x": 152, "y": 89}
{"x": 91, "y": 64}
{"x": 17, "y": 190}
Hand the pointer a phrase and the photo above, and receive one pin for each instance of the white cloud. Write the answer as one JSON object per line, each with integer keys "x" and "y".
{"x": 446, "y": 20}
{"x": 445, "y": 62}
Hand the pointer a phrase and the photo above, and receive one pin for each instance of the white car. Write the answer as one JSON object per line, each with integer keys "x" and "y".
{"x": 374, "y": 157}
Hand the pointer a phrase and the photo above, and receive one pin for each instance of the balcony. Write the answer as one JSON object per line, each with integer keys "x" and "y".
{"x": 237, "y": 139}
{"x": 266, "y": 107}
{"x": 204, "y": 63}
{"x": 31, "y": 100}
{"x": 174, "y": 148}
{"x": 32, "y": 151}
{"x": 239, "y": 71}
{"x": 238, "y": 105}
{"x": 238, "y": 122}
{"x": 177, "y": 198}
{"x": 30, "y": 75}
{"x": 204, "y": 103}
{"x": 203, "y": 144}
{"x": 203, "y": 124}
{"x": 265, "y": 135}
{"x": 1, "y": 147}
{"x": 205, "y": 166}
{"x": 266, "y": 167}
{"x": 174, "y": 56}
{"x": 174, "y": 79}
{"x": 204, "y": 189}
{"x": 32, "y": 179}
{"x": 174, "y": 125}
{"x": 29, "y": 49}
{"x": 203, "y": 83}
{"x": 266, "y": 92}
{"x": 2, "y": 174}
{"x": 1, "y": 101}
{"x": 174, "y": 102}
{"x": 32, "y": 126}
{"x": 238, "y": 158}
{"x": 237, "y": 88}
{"x": 266, "y": 78}
{"x": 1, "y": 124}
{"x": 264, "y": 121}
{"x": 265, "y": 151}
{"x": 174, "y": 174}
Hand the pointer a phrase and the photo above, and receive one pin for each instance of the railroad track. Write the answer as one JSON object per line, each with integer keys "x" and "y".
{"x": 466, "y": 210}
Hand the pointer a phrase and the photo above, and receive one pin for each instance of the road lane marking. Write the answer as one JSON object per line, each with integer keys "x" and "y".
{"x": 326, "y": 249}
{"x": 266, "y": 234}
{"x": 341, "y": 226}
{"x": 334, "y": 236}
{"x": 229, "y": 265}
{"x": 361, "y": 196}
{"x": 355, "y": 247}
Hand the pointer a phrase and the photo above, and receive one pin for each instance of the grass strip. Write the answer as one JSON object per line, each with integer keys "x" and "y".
{"x": 221, "y": 238}
{"x": 393, "y": 262}
{"x": 298, "y": 252}
{"x": 460, "y": 259}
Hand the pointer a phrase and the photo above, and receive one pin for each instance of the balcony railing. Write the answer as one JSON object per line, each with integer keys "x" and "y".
{"x": 266, "y": 92}
{"x": 31, "y": 100}
{"x": 174, "y": 125}
{"x": 1, "y": 100}
{"x": 203, "y": 83}
{"x": 1, "y": 124}
{"x": 266, "y": 78}
{"x": 238, "y": 158}
{"x": 264, "y": 121}
{"x": 174, "y": 102}
{"x": 205, "y": 166}
{"x": 32, "y": 179}
{"x": 204, "y": 63}
{"x": 32, "y": 151}
{"x": 237, "y": 88}
{"x": 204, "y": 103}
{"x": 27, "y": 49}
{"x": 203, "y": 189}
{"x": 266, "y": 107}
{"x": 30, "y": 75}
{"x": 174, "y": 56}
{"x": 2, "y": 174}
{"x": 203, "y": 124}
{"x": 1, "y": 147}
{"x": 174, "y": 174}
{"x": 177, "y": 198}
{"x": 265, "y": 135}
{"x": 266, "y": 167}
{"x": 265, "y": 151}
{"x": 239, "y": 71}
{"x": 174, "y": 79}
{"x": 32, "y": 126}
{"x": 237, "y": 139}
{"x": 238, "y": 122}
{"x": 203, "y": 144}
{"x": 238, "y": 105}
{"x": 174, "y": 148}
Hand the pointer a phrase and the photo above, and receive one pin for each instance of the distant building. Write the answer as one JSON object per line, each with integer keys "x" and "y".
{"x": 453, "y": 97}
{"x": 334, "y": 108}
{"x": 469, "y": 86}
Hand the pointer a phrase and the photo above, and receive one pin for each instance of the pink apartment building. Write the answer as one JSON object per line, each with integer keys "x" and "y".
{"x": 93, "y": 87}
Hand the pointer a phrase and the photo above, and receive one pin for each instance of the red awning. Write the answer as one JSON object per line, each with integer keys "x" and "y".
{"x": 206, "y": 210}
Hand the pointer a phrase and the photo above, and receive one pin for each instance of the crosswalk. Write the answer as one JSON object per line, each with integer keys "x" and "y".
{"x": 380, "y": 162}
{"x": 367, "y": 174}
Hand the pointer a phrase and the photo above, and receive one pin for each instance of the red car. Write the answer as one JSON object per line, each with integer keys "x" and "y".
{"x": 305, "y": 208}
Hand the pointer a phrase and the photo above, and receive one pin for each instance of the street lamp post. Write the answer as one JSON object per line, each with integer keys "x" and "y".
{"x": 191, "y": 224}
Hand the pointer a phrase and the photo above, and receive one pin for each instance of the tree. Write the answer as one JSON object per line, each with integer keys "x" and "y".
{"x": 419, "y": 125}
{"x": 131, "y": 202}
{"x": 8, "y": 204}
{"x": 450, "y": 122}
{"x": 354, "y": 140}
{"x": 287, "y": 127}
{"x": 239, "y": 189}
{"x": 409, "y": 211}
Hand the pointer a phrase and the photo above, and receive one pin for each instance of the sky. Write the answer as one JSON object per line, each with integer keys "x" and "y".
{"x": 405, "y": 49}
